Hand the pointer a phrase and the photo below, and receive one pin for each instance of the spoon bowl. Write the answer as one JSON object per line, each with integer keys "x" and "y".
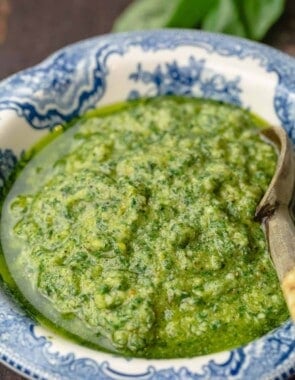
{"x": 275, "y": 212}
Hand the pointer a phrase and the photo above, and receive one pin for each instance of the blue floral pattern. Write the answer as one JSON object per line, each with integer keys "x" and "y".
{"x": 60, "y": 88}
{"x": 191, "y": 80}
{"x": 73, "y": 80}
{"x": 8, "y": 162}
{"x": 84, "y": 74}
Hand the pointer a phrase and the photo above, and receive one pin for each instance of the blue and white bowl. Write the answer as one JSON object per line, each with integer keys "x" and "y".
{"x": 113, "y": 68}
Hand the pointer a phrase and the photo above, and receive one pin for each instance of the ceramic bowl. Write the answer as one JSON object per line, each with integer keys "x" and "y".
{"x": 114, "y": 68}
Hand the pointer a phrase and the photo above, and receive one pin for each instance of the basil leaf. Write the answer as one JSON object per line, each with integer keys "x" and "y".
{"x": 245, "y": 18}
{"x": 190, "y": 13}
{"x": 153, "y": 14}
{"x": 145, "y": 14}
{"x": 260, "y": 15}
{"x": 225, "y": 17}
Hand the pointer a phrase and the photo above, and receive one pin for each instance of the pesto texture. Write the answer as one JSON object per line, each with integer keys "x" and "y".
{"x": 134, "y": 229}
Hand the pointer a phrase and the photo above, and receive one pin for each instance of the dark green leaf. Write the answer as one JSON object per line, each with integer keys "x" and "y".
{"x": 153, "y": 14}
{"x": 190, "y": 13}
{"x": 246, "y": 18}
{"x": 260, "y": 15}
{"x": 224, "y": 17}
{"x": 145, "y": 14}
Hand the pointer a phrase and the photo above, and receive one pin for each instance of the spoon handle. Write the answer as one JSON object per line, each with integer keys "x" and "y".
{"x": 281, "y": 239}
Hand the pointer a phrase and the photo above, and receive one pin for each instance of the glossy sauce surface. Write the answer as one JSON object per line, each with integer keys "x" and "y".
{"x": 134, "y": 229}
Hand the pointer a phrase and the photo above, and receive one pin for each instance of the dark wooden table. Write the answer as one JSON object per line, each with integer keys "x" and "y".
{"x": 38, "y": 28}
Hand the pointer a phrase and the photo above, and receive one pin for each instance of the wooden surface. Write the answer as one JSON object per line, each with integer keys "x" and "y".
{"x": 38, "y": 28}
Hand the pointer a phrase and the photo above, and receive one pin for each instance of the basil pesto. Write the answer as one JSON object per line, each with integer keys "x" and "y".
{"x": 134, "y": 229}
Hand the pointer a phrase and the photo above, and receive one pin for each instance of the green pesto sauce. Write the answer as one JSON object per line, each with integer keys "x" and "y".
{"x": 134, "y": 230}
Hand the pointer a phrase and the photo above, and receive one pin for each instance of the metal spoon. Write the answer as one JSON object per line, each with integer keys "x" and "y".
{"x": 275, "y": 212}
